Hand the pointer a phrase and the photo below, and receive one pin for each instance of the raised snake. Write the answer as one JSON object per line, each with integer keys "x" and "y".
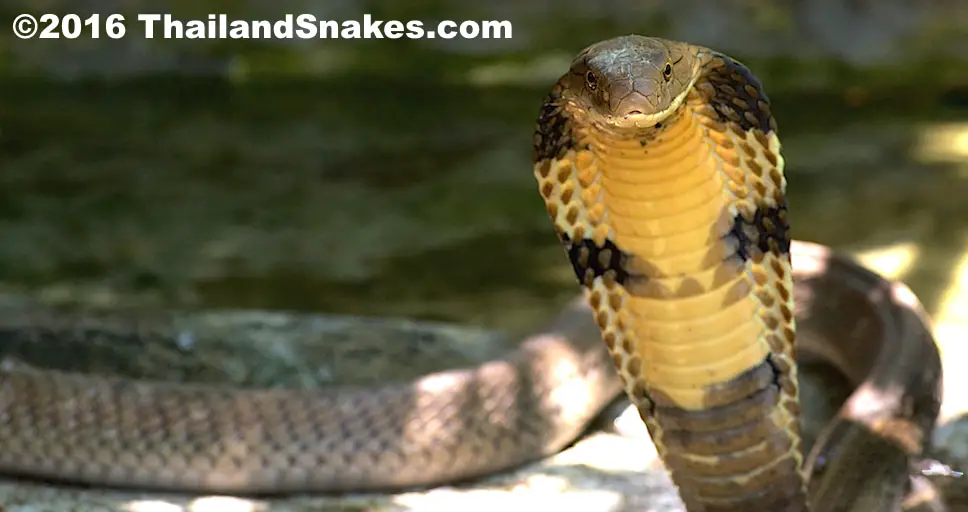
{"x": 65, "y": 424}
{"x": 660, "y": 166}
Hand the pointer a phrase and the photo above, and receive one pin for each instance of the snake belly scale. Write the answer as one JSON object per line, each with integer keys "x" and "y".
{"x": 660, "y": 166}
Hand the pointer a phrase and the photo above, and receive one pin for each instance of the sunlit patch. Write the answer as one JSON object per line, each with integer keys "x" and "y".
{"x": 223, "y": 504}
{"x": 202, "y": 504}
{"x": 436, "y": 384}
{"x": 572, "y": 397}
{"x": 951, "y": 321}
{"x": 868, "y": 402}
{"x": 592, "y": 475}
{"x": 153, "y": 506}
{"x": 614, "y": 453}
{"x": 892, "y": 261}
{"x": 629, "y": 424}
{"x": 942, "y": 143}
{"x": 954, "y": 302}
{"x": 537, "y": 493}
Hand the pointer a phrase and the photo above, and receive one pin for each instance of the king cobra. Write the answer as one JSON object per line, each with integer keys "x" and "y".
{"x": 660, "y": 166}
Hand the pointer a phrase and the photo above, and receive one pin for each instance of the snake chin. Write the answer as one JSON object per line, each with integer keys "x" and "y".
{"x": 636, "y": 120}
{"x": 633, "y": 117}
{"x": 632, "y": 125}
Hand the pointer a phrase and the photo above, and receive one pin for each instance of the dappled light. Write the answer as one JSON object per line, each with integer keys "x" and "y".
{"x": 203, "y": 504}
{"x": 943, "y": 143}
{"x": 893, "y": 261}
{"x": 952, "y": 331}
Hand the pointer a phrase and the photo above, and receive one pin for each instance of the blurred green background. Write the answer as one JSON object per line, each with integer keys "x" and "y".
{"x": 393, "y": 176}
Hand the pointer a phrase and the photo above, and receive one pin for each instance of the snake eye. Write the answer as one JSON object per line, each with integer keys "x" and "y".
{"x": 591, "y": 81}
{"x": 667, "y": 71}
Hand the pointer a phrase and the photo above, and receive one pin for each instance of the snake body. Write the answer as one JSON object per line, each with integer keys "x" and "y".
{"x": 674, "y": 217}
{"x": 660, "y": 166}
{"x": 99, "y": 429}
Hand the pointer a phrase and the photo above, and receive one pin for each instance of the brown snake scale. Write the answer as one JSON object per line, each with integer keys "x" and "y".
{"x": 660, "y": 166}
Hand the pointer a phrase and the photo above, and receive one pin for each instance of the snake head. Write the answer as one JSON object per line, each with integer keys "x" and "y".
{"x": 631, "y": 81}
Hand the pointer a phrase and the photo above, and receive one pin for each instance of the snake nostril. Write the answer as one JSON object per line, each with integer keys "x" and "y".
{"x": 634, "y": 113}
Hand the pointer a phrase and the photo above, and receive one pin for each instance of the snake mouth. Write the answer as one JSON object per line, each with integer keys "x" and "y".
{"x": 637, "y": 113}
{"x": 638, "y": 119}
{"x": 634, "y": 121}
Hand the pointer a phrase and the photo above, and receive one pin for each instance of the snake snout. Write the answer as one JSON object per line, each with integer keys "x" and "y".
{"x": 633, "y": 98}
{"x": 636, "y": 110}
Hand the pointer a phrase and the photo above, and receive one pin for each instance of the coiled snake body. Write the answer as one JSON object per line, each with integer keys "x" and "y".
{"x": 660, "y": 166}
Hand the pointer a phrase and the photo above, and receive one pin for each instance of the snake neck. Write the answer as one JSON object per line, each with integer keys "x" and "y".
{"x": 690, "y": 305}
{"x": 678, "y": 233}
{"x": 699, "y": 319}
